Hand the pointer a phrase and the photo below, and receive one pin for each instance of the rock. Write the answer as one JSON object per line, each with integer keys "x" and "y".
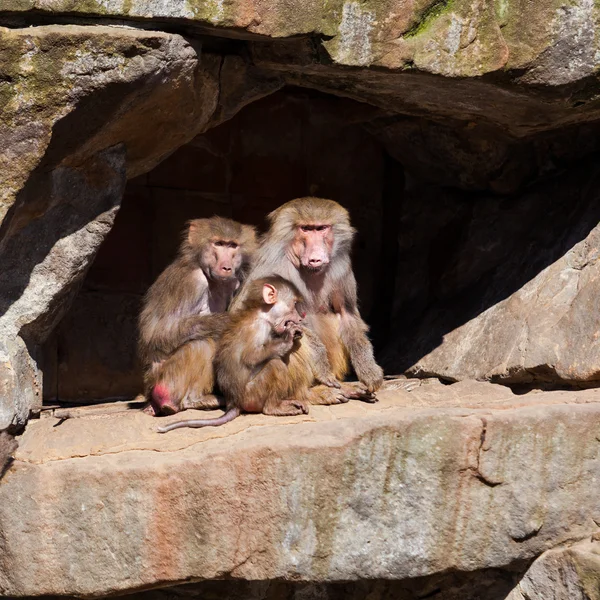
{"x": 241, "y": 84}
{"x": 492, "y": 584}
{"x": 458, "y": 39}
{"x": 502, "y": 290}
{"x": 60, "y": 190}
{"x": 431, "y": 57}
{"x": 104, "y": 82}
{"x": 571, "y": 573}
{"x": 37, "y": 285}
{"x": 8, "y": 445}
{"x": 415, "y": 486}
{"x": 449, "y": 490}
{"x": 568, "y": 573}
{"x": 477, "y": 157}
{"x": 512, "y": 108}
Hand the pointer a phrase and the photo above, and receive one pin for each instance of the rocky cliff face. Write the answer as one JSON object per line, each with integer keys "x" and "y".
{"x": 463, "y": 135}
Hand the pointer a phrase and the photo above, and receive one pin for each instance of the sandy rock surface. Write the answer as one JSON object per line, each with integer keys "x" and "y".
{"x": 460, "y": 477}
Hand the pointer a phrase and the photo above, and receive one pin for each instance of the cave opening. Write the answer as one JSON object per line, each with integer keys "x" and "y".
{"x": 457, "y": 223}
{"x": 293, "y": 143}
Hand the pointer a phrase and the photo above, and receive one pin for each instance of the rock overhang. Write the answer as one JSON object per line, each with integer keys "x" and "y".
{"x": 524, "y": 67}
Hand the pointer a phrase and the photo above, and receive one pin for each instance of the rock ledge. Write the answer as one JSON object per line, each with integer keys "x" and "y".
{"x": 460, "y": 477}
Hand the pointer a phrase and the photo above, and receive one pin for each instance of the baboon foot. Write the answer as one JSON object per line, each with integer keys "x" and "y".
{"x": 287, "y": 408}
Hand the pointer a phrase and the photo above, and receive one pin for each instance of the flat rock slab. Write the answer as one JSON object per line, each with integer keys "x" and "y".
{"x": 459, "y": 477}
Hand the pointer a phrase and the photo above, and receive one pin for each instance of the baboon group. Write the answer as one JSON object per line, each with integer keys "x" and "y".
{"x": 272, "y": 324}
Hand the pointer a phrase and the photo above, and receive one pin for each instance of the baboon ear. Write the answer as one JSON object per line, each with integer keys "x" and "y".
{"x": 269, "y": 294}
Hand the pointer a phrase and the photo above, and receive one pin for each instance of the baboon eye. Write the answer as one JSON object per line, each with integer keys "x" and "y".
{"x": 232, "y": 245}
{"x": 322, "y": 227}
{"x": 305, "y": 228}
{"x": 219, "y": 243}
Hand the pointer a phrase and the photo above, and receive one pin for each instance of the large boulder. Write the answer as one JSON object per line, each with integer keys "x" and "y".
{"x": 501, "y": 289}
{"x": 555, "y": 42}
{"x": 538, "y": 58}
{"x": 41, "y": 265}
{"x": 69, "y": 92}
{"x": 83, "y": 109}
{"x": 461, "y": 478}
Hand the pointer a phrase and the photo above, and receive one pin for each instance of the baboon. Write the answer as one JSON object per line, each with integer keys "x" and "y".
{"x": 309, "y": 243}
{"x": 181, "y": 315}
{"x": 253, "y": 356}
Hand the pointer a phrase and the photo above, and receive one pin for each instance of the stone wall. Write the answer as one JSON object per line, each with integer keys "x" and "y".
{"x": 460, "y": 84}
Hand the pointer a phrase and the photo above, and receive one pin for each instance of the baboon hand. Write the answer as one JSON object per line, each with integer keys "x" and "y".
{"x": 371, "y": 376}
{"x": 297, "y": 332}
{"x": 355, "y": 390}
{"x": 292, "y": 331}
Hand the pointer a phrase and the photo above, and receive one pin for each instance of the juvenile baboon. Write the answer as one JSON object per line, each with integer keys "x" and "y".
{"x": 308, "y": 243}
{"x": 253, "y": 356}
{"x": 181, "y": 315}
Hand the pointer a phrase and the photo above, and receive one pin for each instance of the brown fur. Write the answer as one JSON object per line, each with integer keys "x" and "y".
{"x": 339, "y": 335}
{"x": 327, "y": 328}
{"x": 260, "y": 369}
{"x": 181, "y": 319}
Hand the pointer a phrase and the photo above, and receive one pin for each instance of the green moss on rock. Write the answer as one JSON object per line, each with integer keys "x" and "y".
{"x": 428, "y": 16}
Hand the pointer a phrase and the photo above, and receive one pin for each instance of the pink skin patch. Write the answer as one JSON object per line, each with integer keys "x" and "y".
{"x": 161, "y": 400}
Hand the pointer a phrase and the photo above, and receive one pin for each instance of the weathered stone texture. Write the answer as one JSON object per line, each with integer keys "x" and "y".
{"x": 102, "y": 82}
{"x": 42, "y": 264}
{"x": 504, "y": 289}
{"x": 393, "y": 491}
{"x": 571, "y": 573}
{"x": 494, "y": 241}
{"x": 539, "y": 57}
{"x": 555, "y": 41}
{"x": 75, "y": 123}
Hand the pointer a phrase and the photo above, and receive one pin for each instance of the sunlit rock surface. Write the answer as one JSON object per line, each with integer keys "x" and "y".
{"x": 461, "y": 478}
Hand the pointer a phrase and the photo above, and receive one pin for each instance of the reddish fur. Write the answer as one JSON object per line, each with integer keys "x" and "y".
{"x": 160, "y": 394}
{"x": 161, "y": 402}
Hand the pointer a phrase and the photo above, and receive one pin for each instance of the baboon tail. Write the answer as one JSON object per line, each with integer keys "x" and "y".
{"x": 230, "y": 415}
